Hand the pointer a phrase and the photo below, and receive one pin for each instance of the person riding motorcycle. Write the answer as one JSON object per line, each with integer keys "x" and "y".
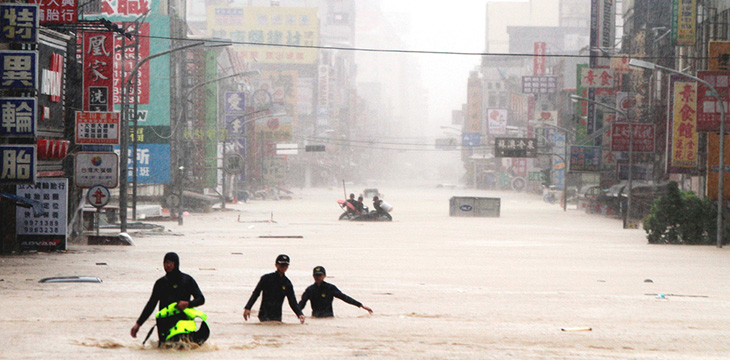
{"x": 352, "y": 206}
{"x": 378, "y": 209}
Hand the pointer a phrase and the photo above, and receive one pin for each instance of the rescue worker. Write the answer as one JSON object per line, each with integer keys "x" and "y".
{"x": 275, "y": 286}
{"x": 174, "y": 287}
{"x": 321, "y": 294}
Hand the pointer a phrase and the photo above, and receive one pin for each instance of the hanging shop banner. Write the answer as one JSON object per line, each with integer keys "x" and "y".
{"x": 713, "y": 168}
{"x": 98, "y": 71}
{"x": 684, "y": 22}
{"x": 643, "y": 137}
{"x": 19, "y": 23}
{"x": 153, "y": 163}
{"x": 19, "y": 117}
{"x": 18, "y": 164}
{"x": 682, "y": 127}
{"x": 515, "y": 147}
{"x": 547, "y": 118}
{"x": 585, "y": 158}
{"x": 497, "y": 122}
{"x": 54, "y": 12}
{"x": 293, "y": 30}
{"x": 18, "y": 70}
{"x": 46, "y": 231}
{"x": 474, "y": 105}
{"x": 143, "y": 73}
{"x": 97, "y": 128}
{"x": 96, "y": 168}
{"x": 708, "y": 108}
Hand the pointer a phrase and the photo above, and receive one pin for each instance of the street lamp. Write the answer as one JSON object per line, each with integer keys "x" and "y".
{"x": 714, "y": 93}
{"x": 182, "y": 119}
{"x": 574, "y": 97}
{"x": 124, "y": 129}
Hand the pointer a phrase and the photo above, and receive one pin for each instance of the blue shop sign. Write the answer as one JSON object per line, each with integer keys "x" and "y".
{"x": 18, "y": 23}
{"x": 17, "y": 164}
{"x": 18, "y": 69}
{"x": 18, "y": 117}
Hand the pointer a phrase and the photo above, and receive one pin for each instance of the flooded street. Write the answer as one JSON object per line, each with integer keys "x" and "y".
{"x": 440, "y": 286}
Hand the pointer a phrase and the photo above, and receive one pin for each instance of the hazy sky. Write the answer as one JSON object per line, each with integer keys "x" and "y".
{"x": 455, "y": 26}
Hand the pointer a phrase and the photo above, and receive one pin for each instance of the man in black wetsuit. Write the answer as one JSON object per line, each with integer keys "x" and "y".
{"x": 275, "y": 286}
{"x": 322, "y": 293}
{"x": 175, "y": 286}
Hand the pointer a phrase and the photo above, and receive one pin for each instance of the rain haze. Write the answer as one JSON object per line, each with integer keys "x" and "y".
{"x": 443, "y": 173}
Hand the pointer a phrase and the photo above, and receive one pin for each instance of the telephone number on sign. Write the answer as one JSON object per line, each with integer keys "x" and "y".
{"x": 40, "y": 230}
{"x": 41, "y": 223}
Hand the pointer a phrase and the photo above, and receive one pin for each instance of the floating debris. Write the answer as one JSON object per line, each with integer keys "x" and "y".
{"x": 67, "y": 279}
{"x": 576, "y": 329}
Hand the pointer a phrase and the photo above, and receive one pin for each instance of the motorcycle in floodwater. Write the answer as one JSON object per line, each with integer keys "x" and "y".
{"x": 352, "y": 214}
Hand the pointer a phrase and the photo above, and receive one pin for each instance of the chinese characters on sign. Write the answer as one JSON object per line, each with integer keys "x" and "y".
{"x": 515, "y": 147}
{"x": 18, "y": 70}
{"x": 683, "y": 126}
{"x": 125, "y": 7}
{"x": 97, "y": 128}
{"x": 544, "y": 84}
{"x": 143, "y": 73}
{"x": 643, "y": 137}
{"x": 473, "y": 105}
{"x": 19, "y": 23}
{"x": 46, "y": 231}
{"x": 58, "y": 11}
{"x": 597, "y": 78}
{"x": 538, "y": 66}
{"x": 585, "y": 158}
{"x": 295, "y": 27}
{"x": 17, "y": 164}
{"x": 684, "y": 22}
{"x": 18, "y": 117}
{"x": 96, "y": 168}
{"x": 708, "y": 108}
{"x": 98, "y": 71}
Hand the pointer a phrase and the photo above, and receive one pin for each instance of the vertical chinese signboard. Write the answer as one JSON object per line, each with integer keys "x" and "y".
{"x": 474, "y": 105}
{"x": 98, "y": 71}
{"x": 153, "y": 147}
{"x": 19, "y": 70}
{"x": 683, "y": 136}
{"x": 684, "y": 22}
{"x": 19, "y": 117}
{"x": 713, "y": 168}
{"x": 17, "y": 164}
{"x": 19, "y": 23}
{"x": 46, "y": 231}
{"x": 539, "y": 59}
